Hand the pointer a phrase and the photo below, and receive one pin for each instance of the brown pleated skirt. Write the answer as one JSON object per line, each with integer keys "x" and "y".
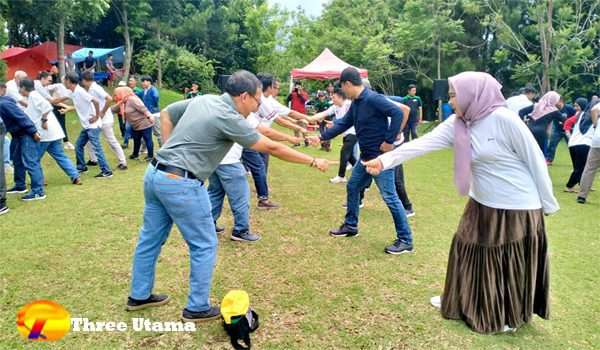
{"x": 497, "y": 269}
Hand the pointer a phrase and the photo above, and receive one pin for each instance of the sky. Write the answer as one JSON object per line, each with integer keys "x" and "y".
{"x": 311, "y": 7}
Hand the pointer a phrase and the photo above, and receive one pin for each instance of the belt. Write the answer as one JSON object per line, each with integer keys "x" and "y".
{"x": 174, "y": 170}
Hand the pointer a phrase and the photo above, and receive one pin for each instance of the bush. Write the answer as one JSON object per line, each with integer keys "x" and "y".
{"x": 180, "y": 68}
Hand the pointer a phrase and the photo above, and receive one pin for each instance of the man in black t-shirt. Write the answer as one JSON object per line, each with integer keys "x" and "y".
{"x": 416, "y": 113}
{"x": 89, "y": 64}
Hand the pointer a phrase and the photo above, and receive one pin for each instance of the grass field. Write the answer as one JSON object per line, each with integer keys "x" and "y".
{"x": 310, "y": 290}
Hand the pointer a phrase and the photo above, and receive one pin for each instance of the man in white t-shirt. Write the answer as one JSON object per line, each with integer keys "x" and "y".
{"x": 593, "y": 160}
{"x": 12, "y": 89}
{"x": 108, "y": 121}
{"x": 524, "y": 99}
{"x": 88, "y": 110}
{"x": 39, "y": 110}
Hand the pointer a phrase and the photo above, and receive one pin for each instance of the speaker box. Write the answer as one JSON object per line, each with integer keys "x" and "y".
{"x": 440, "y": 89}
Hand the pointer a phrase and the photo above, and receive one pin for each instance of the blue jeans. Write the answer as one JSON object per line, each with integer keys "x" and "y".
{"x": 6, "y": 152}
{"x": 55, "y": 150}
{"x": 256, "y": 164}
{"x": 3, "y": 148}
{"x": 93, "y": 136}
{"x": 359, "y": 180}
{"x": 557, "y": 135}
{"x": 24, "y": 153}
{"x": 171, "y": 199}
{"x": 128, "y": 133}
{"x": 230, "y": 180}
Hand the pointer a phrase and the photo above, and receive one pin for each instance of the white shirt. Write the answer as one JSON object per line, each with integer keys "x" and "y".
{"x": 579, "y": 139}
{"x": 596, "y": 135}
{"x": 58, "y": 90}
{"x": 235, "y": 153}
{"x": 82, "y": 101}
{"x": 516, "y": 103}
{"x": 41, "y": 89}
{"x": 339, "y": 113}
{"x": 37, "y": 105}
{"x": 508, "y": 168}
{"x": 100, "y": 94}
{"x": 12, "y": 91}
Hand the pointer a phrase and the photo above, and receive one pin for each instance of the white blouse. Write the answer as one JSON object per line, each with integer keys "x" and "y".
{"x": 508, "y": 168}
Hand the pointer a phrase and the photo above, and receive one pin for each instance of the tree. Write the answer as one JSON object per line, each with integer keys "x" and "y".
{"x": 131, "y": 14}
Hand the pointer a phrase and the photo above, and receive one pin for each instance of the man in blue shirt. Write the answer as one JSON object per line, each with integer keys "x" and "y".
{"x": 558, "y": 133}
{"x": 377, "y": 121}
{"x": 150, "y": 97}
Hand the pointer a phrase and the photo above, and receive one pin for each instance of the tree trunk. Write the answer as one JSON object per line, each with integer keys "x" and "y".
{"x": 546, "y": 44}
{"x": 128, "y": 43}
{"x": 439, "y": 75}
{"x": 158, "y": 58}
{"x": 61, "y": 47}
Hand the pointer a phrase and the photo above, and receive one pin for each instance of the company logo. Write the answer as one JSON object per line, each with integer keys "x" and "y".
{"x": 43, "y": 320}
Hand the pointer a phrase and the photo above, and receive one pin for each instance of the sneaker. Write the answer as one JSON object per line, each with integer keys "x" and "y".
{"x": 84, "y": 170}
{"x": 132, "y": 157}
{"x": 124, "y": 146}
{"x": 244, "y": 236}
{"x": 361, "y": 205}
{"x": 191, "y": 316}
{"x": 69, "y": 146}
{"x": 33, "y": 196}
{"x": 104, "y": 175}
{"x": 265, "y": 204}
{"x": 580, "y": 200}
{"x": 399, "y": 247}
{"x": 91, "y": 163}
{"x": 508, "y": 329}
{"x": 344, "y": 231}
{"x": 148, "y": 159}
{"x": 77, "y": 181}
{"x": 338, "y": 180}
{"x": 436, "y": 302}
{"x": 3, "y": 209}
{"x": 153, "y": 300}
{"x": 219, "y": 229}
{"x": 410, "y": 213}
{"x": 122, "y": 167}
{"x": 16, "y": 190}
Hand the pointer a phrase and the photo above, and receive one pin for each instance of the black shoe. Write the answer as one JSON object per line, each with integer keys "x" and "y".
{"x": 219, "y": 229}
{"x": 265, "y": 204}
{"x": 153, "y": 300}
{"x": 84, "y": 170}
{"x": 122, "y": 167}
{"x": 211, "y": 314}
{"x": 3, "y": 209}
{"x": 244, "y": 236}
{"x": 16, "y": 190}
{"x": 90, "y": 163}
{"x": 344, "y": 231}
{"x": 124, "y": 146}
{"x": 104, "y": 175}
{"x": 76, "y": 181}
{"x": 134, "y": 157}
{"x": 399, "y": 247}
{"x": 580, "y": 200}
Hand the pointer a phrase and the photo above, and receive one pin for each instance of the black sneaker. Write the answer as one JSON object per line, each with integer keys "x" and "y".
{"x": 361, "y": 205}
{"x": 104, "y": 175}
{"x": 219, "y": 229}
{"x": 33, "y": 196}
{"x": 399, "y": 247}
{"x": 124, "y": 146}
{"x": 244, "y": 236}
{"x": 90, "y": 163}
{"x": 153, "y": 300}
{"x": 83, "y": 170}
{"x": 409, "y": 213}
{"x": 344, "y": 231}
{"x": 265, "y": 204}
{"x": 76, "y": 181}
{"x": 211, "y": 314}
{"x": 580, "y": 200}
{"x": 3, "y": 209}
{"x": 16, "y": 190}
{"x": 122, "y": 167}
{"x": 134, "y": 157}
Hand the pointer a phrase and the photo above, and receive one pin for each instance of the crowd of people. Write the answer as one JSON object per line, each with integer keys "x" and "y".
{"x": 501, "y": 156}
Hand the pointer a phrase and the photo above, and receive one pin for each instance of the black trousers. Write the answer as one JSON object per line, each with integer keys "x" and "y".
{"x": 137, "y": 136}
{"x": 347, "y": 154}
{"x": 400, "y": 188}
{"x": 61, "y": 121}
{"x": 2, "y": 175}
{"x": 578, "y": 158}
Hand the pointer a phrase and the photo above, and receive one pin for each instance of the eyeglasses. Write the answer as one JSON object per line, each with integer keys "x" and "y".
{"x": 255, "y": 99}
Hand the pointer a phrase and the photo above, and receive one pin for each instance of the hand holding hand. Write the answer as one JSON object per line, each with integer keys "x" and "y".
{"x": 313, "y": 140}
{"x": 321, "y": 164}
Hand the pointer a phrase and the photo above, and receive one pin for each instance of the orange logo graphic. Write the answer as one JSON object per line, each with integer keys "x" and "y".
{"x": 43, "y": 320}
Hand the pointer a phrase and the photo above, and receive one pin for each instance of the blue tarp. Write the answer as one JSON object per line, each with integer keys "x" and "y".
{"x": 99, "y": 54}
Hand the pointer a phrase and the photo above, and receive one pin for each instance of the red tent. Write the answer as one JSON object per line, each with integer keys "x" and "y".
{"x": 33, "y": 60}
{"x": 326, "y": 66}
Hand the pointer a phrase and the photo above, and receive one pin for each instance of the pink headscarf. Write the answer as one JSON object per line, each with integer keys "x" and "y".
{"x": 546, "y": 104}
{"x": 478, "y": 94}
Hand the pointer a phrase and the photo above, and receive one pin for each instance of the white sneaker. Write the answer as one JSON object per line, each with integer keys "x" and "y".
{"x": 69, "y": 146}
{"x": 436, "y": 302}
{"x": 508, "y": 329}
{"x": 337, "y": 180}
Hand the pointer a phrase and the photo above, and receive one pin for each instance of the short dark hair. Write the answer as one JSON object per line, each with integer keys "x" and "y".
{"x": 73, "y": 78}
{"x": 109, "y": 55}
{"x": 267, "y": 80}
{"x": 2, "y": 85}
{"x": 529, "y": 90}
{"x": 411, "y": 86}
{"x": 43, "y": 75}
{"x": 27, "y": 84}
{"x": 338, "y": 91}
{"x": 352, "y": 75}
{"x": 242, "y": 81}
{"x": 146, "y": 78}
{"x": 87, "y": 76}
{"x": 90, "y": 52}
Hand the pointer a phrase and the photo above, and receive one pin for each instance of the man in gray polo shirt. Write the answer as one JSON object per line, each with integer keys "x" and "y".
{"x": 199, "y": 134}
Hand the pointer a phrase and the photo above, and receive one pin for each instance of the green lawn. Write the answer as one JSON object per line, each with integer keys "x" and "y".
{"x": 311, "y": 291}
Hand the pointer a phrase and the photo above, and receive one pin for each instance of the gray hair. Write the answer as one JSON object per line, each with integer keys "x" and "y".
{"x": 242, "y": 81}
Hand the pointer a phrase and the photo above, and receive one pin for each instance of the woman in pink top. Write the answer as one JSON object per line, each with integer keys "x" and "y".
{"x": 132, "y": 108}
